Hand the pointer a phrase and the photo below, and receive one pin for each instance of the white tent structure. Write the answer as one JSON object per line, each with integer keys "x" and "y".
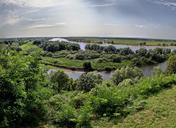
{"x": 59, "y": 39}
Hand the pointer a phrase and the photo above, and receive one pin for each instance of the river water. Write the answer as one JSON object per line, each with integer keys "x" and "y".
{"x": 147, "y": 71}
{"x": 132, "y": 47}
{"x": 118, "y": 46}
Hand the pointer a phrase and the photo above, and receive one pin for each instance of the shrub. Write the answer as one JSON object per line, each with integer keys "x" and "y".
{"x": 171, "y": 65}
{"x": 22, "y": 90}
{"x": 107, "y": 101}
{"x": 126, "y": 51}
{"x": 58, "y": 46}
{"x": 68, "y": 110}
{"x": 141, "y": 52}
{"x": 87, "y": 66}
{"x": 110, "y": 49}
{"x": 85, "y": 55}
{"x": 60, "y": 81}
{"x": 37, "y": 42}
{"x": 84, "y": 117}
{"x": 87, "y": 81}
{"x": 73, "y": 47}
{"x": 60, "y": 112}
{"x": 94, "y": 47}
{"x": 126, "y": 73}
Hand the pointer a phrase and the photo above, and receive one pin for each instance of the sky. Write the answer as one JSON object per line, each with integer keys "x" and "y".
{"x": 102, "y": 18}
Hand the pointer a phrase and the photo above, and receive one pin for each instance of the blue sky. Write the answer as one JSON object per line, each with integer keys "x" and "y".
{"x": 113, "y": 18}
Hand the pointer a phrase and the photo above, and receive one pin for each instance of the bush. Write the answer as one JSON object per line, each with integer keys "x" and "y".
{"x": 110, "y": 49}
{"x": 58, "y": 46}
{"x": 60, "y": 112}
{"x": 126, "y": 51}
{"x": 126, "y": 73}
{"x": 37, "y": 42}
{"x": 94, "y": 47}
{"x": 60, "y": 81}
{"x": 141, "y": 52}
{"x": 111, "y": 101}
{"x": 87, "y": 66}
{"x": 22, "y": 90}
{"x": 73, "y": 47}
{"x": 86, "y": 55}
{"x": 64, "y": 110}
{"x": 171, "y": 65}
{"x": 87, "y": 81}
{"x": 108, "y": 101}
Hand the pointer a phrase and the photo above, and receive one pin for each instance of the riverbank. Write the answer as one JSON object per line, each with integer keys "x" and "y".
{"x": 133, "y": 47}
{"x": 107, "y": 75}
{"x": 73, "y": 64}
{"x": 125, "y": 41}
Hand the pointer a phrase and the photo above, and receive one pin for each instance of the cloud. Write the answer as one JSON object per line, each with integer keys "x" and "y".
{"x": 112, "y": 24}
{"x": 13, "y": 20}
{"x": 35, "y": 3}
{"x": 10, "y": 19}
{"x": 86, "y": 17}
{"x": 40, "y": 26}
{"x": 103, "y": 5}
{"x": 140, "y": 26}
{"x": 168, "y": 3}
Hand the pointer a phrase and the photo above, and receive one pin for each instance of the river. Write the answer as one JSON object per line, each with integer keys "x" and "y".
{"x": 118, "y": 46}
{"x": 147, "y": 71}
{"x": 132, "y": 47}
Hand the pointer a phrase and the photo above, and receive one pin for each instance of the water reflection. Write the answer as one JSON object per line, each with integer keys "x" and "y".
{"x": 147, "y": 71}
{"x": 132, "y": 47}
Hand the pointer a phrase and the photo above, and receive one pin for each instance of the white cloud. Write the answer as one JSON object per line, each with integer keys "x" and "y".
{"x": 102, "y": 5}
{"x": 167, "y": 3}
{"x": 111, "y": 24}
{"x": 39, "y": 26}
{"x": 36, "y": 3}
{"x": 139, "y": 26}
{"x": 11, "y": 19}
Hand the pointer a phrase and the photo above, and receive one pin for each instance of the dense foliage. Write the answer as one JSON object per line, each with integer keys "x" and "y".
{"x": 172, "y": 65}
{"x": 126, "y": 73}
{"x": 22, "y": 90}
{"x": 32, "y": 97}
{"x": 87, "y": 81}
{"x": 58, "y": 46}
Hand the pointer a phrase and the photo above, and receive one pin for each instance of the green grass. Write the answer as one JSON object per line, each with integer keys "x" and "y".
{"x": 138, "y": 42}
{"x": 127, "y": 41}
{"x": 159, "y": 112}
{"x": 29, "y": 47}
{"x": 70, "y": 63}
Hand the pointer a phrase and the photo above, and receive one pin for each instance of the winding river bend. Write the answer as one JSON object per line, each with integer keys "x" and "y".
{"x": 147, "y": 71}
{"x": 132, "y": 47}
{"x": 118, "y": 46}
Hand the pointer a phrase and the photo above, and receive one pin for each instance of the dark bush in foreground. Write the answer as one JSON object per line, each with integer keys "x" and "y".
{"x": 87, "y": 66}
{"x": 59, "y": 46}
{"x": 60, "y": 81}
{"x": 171, "y": 65}
{"x": 126, "y": 73}
{"x": 87, "y": 81}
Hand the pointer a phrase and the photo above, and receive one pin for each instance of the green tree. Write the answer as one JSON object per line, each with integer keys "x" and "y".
{"x": 60, "y": 81}
{"x": 171, "y": 69}
{"x": 126, "y": 73}
{"x": 87, "y": 81}
{"x": 22, "y": 90}
{"x": 87, "y": 66}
